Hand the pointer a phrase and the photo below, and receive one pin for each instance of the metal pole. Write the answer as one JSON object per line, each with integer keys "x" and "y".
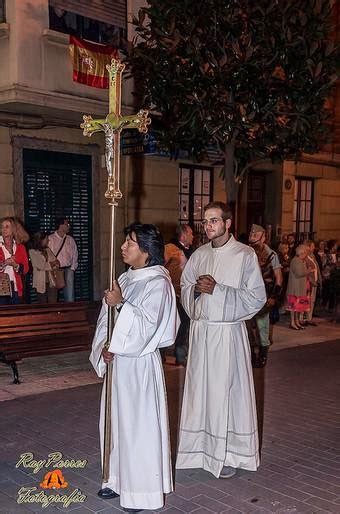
{"x": 110, "y": 325}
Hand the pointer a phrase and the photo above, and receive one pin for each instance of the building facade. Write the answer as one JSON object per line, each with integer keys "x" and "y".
{"x": 48, "y": 168}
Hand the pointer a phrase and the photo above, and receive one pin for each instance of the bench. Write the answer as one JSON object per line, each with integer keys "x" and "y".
{"x": 45, "y": 329}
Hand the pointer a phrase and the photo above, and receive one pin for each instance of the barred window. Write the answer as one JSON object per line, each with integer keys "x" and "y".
{"x": 303, "y": 208}
{"x": 59, "y": 184}
{"x": 195, "y": 191}
{"x": 89, "y": 28}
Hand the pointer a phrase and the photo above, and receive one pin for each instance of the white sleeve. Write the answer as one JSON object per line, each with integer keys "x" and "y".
{"x": 99, "y": 340}
{"x": 238, "y": 304}
{"x": 150, "y": 321}
{"x": 74, "y": 264}
{"x": 190, "y": 302}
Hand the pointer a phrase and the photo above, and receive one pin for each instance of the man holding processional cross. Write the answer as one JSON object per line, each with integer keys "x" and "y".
{"x": 138, "y": 316}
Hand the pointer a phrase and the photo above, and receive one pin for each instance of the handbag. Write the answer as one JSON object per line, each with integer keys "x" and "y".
{"x": 5, "y": 285}
{"x": 58, "y": 278}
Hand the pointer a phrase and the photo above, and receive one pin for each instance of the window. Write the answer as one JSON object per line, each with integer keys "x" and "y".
{"x": 2, "y": 11}
{"x": 195, "y": 191}
{"x": 256, "y": 194}
{"x": 303, "y": 208}
{"x": 59, "y": 184}
{"x": 97, "y": 31}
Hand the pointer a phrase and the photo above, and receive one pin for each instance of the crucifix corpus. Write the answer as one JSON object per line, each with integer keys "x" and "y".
{"x": 112, "y": 126}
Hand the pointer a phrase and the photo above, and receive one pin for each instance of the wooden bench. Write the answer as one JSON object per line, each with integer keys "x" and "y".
{"x": 45, "y": 329}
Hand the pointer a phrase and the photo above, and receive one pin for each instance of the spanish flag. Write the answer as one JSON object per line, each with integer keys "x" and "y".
{"x": 89, "y": 62}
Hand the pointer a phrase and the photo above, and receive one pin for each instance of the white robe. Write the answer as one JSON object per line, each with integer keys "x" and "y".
{"x": 218, "y": 421}
{"x": 140, "y": 462}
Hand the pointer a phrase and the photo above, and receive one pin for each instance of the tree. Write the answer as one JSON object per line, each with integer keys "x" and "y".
{"x": 250, "y": 77}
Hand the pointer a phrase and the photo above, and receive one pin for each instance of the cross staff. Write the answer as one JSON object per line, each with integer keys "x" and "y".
{"x": 112, "y": 126}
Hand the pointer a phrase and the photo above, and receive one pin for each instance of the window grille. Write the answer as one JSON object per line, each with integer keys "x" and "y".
{"x": 59, "y": 184}
{"x": 303, "y": 208}
{"x": 88, "y": 27}
{"x": 195, "y": 191}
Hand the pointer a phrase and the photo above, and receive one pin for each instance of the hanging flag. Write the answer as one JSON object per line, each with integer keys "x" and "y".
{"x": 89, "y": 62}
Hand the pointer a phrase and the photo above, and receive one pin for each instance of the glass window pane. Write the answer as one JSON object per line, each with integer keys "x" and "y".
{"x": 197, "y": 208}
{"x": 184, "y": 207}
{"x": 309, "y": 190}
{"x": 307, "y": 211}
{"x": 194, "y": 192}
{"x": 302, "y": 211}
{"x": 185, "y": 180}
{"x": 206, "y": 182}
{"x": 198, "y": 182}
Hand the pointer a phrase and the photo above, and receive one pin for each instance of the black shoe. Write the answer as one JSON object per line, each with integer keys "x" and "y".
{"x": 263, "y": 356}
{"x": 254, "y": 359}
{"x": 132, "y": 510}
{"x": 107, "y": 493}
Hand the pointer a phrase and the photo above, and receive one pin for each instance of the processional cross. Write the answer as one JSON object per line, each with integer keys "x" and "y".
{"x": 112, "y": 127}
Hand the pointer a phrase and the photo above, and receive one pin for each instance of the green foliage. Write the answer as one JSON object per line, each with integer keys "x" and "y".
{"x": 249, "y": 76}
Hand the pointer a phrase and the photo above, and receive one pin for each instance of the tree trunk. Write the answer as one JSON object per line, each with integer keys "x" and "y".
{"x": 231, "y": 186}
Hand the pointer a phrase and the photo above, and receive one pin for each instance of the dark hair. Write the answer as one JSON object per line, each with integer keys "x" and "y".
{"x": 149, "y": 240}
{"x": 226, "y": 212}
{"x": 331, "y": 243}
{"x": 36, "y": 240}
{"x": 60, "y": 221}
{"x": 182, "y": 229}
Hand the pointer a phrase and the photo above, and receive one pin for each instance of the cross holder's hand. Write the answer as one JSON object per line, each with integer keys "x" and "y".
{"x": 114, "y": 296}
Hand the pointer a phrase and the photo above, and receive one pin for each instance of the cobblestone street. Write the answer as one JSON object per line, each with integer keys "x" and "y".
{"x": 298, "y": 404}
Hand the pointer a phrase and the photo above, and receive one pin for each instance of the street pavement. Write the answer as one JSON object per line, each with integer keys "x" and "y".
{"x": 299, "y": 418}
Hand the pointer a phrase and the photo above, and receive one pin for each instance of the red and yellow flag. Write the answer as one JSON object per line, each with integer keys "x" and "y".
{"x": 89, "y": 62}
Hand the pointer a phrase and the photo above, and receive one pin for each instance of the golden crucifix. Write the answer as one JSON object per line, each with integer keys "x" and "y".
{"x": 112, "y": 126}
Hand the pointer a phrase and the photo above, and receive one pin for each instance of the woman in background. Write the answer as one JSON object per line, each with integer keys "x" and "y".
{"x": 43, "y": 263}
{"x": 298, "y": 299}
{"x": 284, "y": 258}
{"x": 13, "y": 258}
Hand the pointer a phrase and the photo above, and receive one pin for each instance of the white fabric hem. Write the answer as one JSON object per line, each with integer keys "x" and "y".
{"x": 133, "y": 500}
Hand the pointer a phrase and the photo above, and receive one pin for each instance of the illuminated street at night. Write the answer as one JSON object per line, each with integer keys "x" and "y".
{"x": 169, "y": 256}
{"x": 297, "y": 396}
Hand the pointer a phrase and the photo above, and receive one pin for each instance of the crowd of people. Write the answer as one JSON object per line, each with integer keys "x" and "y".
{"x": 296, "y": 276}
{"x": 51, "y": 259}
{"x": 310, "y": 274}
{"x": 222, "y": 294}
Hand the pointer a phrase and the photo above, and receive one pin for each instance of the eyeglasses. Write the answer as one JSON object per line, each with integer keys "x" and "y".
{"x": 211, "y": 221}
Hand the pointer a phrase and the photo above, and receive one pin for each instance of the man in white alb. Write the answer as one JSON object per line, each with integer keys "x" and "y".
{"x": 222, "y": 286}
{"x": 65, "y": 249}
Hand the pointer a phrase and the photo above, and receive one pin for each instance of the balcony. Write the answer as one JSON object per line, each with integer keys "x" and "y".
{"x": 36, "y": 78}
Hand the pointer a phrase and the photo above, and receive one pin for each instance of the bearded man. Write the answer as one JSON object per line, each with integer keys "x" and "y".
{"x": 222, "y": 287}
